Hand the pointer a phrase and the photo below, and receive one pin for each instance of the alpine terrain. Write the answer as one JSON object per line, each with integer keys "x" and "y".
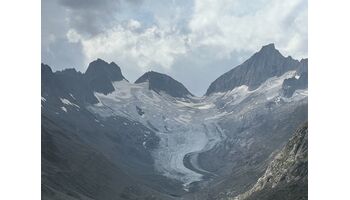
{"x": 104, "y": 137}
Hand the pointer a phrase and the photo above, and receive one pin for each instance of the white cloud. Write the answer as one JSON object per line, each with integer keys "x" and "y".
{"x": 142, "y": 49}
{"x": 133, "y": 24}
{"x": 225, "y": 26}
{"x": 236, "y": 25}
{"x": 73, "y": 36}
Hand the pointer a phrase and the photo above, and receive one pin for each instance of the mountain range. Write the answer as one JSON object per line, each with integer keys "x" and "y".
{"x": 106, "y": 138}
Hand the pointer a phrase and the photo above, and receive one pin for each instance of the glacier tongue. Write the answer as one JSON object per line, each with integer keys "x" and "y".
{"x": 195, "y": 137}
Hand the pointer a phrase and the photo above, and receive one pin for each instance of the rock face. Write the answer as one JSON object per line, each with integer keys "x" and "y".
{"x": 101, "y": 74}
{"x": 266, "y": 63}
{"x": 163, "y": 83}
{"x": 286, "y": 176}
{"x": 98, "y": 78}
{"x": 295, "y": 83}
{"x": 300, "y": 81}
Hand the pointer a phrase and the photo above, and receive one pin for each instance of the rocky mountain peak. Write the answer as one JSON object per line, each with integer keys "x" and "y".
{"x": 46, "y": 73}
{"x": 99, "y": 67}
{"x": 269, "y": 47}
{"x": 161, "y": 82}
{"x": 266, "y": 63}
{"x": 101, "y": 74}
{"x": 269, "y": 51}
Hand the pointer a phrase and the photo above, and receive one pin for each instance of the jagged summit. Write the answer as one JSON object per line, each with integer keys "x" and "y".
{"x": 100, "y": 67}
{"x": 101, "y": 74}
{"x": 47, "y": 76}
{"x": 270, "y": 51}
{"x": 268, "y": 47}
{"x": 266, "y": 63}
{"x": 45, "y": 68}
{"x": 162, "y": 82}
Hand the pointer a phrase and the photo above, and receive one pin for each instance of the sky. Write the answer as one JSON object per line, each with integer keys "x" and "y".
{"x": 194, "y": 41}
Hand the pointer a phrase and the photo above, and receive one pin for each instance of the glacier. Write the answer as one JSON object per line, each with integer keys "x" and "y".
{"x": 188, "y": 126}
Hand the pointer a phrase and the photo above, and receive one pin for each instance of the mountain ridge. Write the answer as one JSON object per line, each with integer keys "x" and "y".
{"x": 99, "y": 75}
{"x": 264, "y": 64}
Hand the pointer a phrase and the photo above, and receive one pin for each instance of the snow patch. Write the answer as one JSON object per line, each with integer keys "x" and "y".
{"x": 64, "y": 109}
{"x": 72, "y": 96}
{"x": 67, "y": 102}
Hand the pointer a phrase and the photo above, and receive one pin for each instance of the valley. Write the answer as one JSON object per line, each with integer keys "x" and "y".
{"x": 168, "y": 143}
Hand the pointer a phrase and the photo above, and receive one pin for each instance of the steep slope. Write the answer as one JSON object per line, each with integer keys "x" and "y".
{"x": 72, "y": 169}
{"x": 286, "y": 176}
{"x": 163, "y": 83}
{"x": 266, "y": 63}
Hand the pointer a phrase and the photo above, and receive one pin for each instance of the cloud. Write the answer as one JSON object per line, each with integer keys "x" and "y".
{"x": 73, "y": 36}
{"x": 91, "y": 17}
{"x": 180, "y": 38}
{"x": 59, "y": 54}
{"x": 134, "y": 24}
{"x": 143, "y": 49}
{"x": 224, "y": 24}
{"x": 56, "y": 50}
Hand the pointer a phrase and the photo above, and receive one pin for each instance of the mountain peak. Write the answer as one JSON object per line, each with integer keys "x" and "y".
{"x": 101, "y": 74}
{"x": 161, "y": 82}
{"x": 269, "y": 50}
{"x": 266, "y": 63}
{"x": 46, "y": 68}
{"x": 101, "y": 67}
{"x": 150, "y": 75}
{"x": 46, "y": 73}
{"x": 270, "y": 46}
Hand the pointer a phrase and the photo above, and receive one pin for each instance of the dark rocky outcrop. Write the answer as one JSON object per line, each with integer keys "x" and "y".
{"x": 163, "y": 83}
{"x": 100, "y": 75}
{"x": 291, "y": 84}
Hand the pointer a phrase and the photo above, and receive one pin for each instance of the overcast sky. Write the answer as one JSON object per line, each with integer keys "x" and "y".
{"x": 194, "y": 41}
